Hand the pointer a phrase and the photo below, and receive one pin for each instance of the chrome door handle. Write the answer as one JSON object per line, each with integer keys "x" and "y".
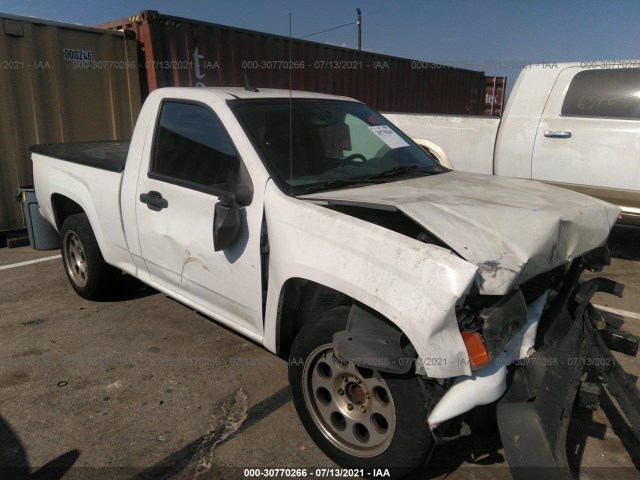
{"x": 557, "y": 133}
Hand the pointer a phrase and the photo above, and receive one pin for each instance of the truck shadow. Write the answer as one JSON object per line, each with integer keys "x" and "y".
{"x": 482, "y": 448}
{"x": 624, "y": 242}
{"x": 583, "y": 426}
{"x": 130, "y": 288}
{"x": 15, "y": 465}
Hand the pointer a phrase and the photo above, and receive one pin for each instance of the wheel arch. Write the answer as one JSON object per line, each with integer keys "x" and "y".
{"x": 302, "y": 300}
{"x": 299, "y": 295}
{"x": 63, "y": 207}
{"x": 67, "y": 202}
{"x": 436, "y": 150}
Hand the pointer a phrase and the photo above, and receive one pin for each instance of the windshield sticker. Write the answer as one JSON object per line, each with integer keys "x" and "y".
{"x": 388, "y": 136}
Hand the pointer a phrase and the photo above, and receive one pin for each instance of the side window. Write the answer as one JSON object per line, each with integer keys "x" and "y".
{"x": 604, "y": 93}
{"x": 191, "y": 148}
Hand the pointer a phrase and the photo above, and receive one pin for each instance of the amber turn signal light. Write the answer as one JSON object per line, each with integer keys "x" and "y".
{"x": 478, "y": 355}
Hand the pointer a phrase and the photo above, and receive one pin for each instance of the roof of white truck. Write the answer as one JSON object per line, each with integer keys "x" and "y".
{"x": 239, "y": 92}
{"x": 587, "y": 64}
{"x": 276, "y": 93}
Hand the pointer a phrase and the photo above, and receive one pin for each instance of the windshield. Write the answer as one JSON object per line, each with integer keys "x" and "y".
{"x": 329, "y": 144}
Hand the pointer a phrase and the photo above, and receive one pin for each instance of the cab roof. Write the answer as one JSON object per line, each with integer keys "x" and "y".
{"x": 229, "y": 93}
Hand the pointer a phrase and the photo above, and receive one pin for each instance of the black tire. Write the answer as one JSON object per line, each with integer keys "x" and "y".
{"x": 90, "y": 276}
{"x": 405, "y": 449}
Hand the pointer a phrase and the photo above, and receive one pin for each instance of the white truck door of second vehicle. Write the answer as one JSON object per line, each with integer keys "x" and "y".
{"x": 589, "y": 134}
{"x": 192, "y": 163}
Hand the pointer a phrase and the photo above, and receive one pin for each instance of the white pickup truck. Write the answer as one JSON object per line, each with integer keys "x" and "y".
{"x": 401, "y": 292}
{"x": 575, "y": 125}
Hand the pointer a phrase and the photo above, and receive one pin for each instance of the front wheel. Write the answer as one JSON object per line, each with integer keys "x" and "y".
{"x": 360, "y": 418}
{"x": 89, "y": 275}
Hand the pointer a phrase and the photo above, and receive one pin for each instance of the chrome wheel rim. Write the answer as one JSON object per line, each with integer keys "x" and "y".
{"x": 351, "y": 406}
{"x": 75, "y": 259}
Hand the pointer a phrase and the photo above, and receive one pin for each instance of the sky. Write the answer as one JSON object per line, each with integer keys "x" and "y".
{"x": 494, "y": 36}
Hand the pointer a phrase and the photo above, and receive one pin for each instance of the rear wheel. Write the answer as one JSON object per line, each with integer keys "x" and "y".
{"x": 360, "y": 418}
{"x": 88, "y": 273}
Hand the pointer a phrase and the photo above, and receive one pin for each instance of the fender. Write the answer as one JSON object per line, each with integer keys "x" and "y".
{"x": 358, "y": 258}
{"x": 82, "y": 184}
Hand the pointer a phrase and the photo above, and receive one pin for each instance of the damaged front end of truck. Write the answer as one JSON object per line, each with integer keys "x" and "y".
{"x": 527, "y": 323}
{"x": 532, "y": 360}
{"x": 440, "y": 290}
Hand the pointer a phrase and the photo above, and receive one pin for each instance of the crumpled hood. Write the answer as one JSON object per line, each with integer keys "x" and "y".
{"x": 512, "y": 229}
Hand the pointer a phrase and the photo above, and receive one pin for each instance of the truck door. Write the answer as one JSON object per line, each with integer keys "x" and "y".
{"x": 192, "y": 165}
{"x": 589, "y": 135}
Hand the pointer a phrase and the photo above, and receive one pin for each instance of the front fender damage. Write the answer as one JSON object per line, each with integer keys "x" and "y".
{"x": 413, "y": 285}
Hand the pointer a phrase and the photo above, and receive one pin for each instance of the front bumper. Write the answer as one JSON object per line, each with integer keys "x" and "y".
{"x": 537, "y": 392}
{"x": 533, "y": 415}
{"x": 489, "y": 383}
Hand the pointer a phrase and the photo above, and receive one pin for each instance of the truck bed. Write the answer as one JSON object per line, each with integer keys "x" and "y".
{"x": 106, "y": 155}
{"x": 468, "y": 141}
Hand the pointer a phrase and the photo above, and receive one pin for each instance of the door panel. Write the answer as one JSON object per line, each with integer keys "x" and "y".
{"x": 175, "y": 204}
{"x": 581, "y": 142}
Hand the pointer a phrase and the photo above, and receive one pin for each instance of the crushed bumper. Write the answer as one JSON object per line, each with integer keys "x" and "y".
{"x": 534, "y": 413}
{"x": 489, "y": 383}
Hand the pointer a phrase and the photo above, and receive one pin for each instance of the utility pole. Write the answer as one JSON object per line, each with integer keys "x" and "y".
{"x": 359, "y": 22}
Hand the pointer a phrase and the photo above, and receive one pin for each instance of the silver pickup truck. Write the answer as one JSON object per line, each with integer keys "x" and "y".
{"x": 403, "y": 294}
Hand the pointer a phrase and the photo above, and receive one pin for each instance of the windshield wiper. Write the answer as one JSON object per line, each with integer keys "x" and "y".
{"x": 373, "y": 178}
{"x": 395, "y": 171}
{"x": 335, "y": 183}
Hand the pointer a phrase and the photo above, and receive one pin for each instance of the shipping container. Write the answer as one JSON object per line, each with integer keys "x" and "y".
{"x": 182, "y": 52}
{"x": 494, "y": 89}
{"x": 59, "y": 83}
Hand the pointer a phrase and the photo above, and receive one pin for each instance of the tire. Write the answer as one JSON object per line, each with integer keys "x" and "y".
{"x": 387, "y": 425}
{"x": 90, "y": 276}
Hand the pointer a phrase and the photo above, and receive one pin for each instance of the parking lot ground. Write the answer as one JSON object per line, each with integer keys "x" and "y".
{"x": 13, "y": 256}
{"x": 143, "y": 387}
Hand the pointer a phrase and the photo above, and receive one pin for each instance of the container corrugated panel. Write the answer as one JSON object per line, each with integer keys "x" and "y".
{"x": 52, "y": 92}
{"x": 181, "y": 52}
{"x": 494, "y": 88}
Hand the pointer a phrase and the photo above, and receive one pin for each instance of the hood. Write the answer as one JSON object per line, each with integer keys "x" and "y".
{"x": 511, "y": 229}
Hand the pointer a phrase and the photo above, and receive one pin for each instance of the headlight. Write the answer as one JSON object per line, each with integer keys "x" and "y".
{"x": 486, "y": 331}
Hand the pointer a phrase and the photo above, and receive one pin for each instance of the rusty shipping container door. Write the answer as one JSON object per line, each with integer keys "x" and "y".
{"x": 494, "y": 89}
{"x": 59, "y": 83}
{"x": 182, "y": 52}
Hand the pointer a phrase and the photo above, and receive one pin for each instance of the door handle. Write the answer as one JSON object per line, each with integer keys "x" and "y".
{"x": 154, "y": 200}
{"x": 557, "y": 133}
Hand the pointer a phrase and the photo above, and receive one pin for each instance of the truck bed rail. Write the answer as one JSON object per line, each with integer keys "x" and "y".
{"x": 106, "y": 155}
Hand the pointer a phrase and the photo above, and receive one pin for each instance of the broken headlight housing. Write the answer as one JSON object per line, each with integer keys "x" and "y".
{"x": 487, "y": 324}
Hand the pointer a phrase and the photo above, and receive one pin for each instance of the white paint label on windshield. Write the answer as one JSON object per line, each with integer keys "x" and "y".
{"x": 388, "y": 136}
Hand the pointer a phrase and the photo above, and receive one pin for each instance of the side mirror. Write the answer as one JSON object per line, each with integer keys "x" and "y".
{"x": 226, "y": 223}
{"x": 226, "y": 216}
{"x": 243, "y": 195}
